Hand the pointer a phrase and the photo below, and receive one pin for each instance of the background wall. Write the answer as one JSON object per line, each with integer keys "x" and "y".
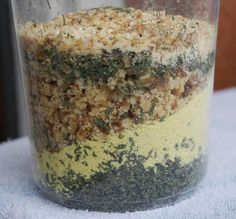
{"x": 226, "y": 48}
{"x": 8, "y": 100}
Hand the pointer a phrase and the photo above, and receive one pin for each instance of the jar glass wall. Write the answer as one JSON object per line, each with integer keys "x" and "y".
{"x": 117, "y": 96}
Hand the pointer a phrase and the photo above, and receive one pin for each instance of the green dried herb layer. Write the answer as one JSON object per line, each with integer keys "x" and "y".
{"x": 69, "y": 66}
{"x": 130, "y": 187}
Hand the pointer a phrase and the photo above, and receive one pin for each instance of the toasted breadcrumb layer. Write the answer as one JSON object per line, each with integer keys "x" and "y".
{"x": 91, "y": 31}
{"x": 99, "y": 72}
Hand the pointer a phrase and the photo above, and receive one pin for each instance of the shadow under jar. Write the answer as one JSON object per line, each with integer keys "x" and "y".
{"x": 117, "y": 98}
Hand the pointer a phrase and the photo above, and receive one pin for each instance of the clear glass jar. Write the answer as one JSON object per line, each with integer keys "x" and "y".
{"x": 118, "y": 97}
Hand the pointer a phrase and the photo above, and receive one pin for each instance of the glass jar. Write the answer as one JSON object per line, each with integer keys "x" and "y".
{"x": 117, "y": 95}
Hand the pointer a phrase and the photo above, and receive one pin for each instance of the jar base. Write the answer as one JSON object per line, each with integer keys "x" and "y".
{"x": 121, "y": 207}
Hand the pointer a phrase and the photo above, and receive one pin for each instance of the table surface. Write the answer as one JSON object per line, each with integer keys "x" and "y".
{"x": 215, "y": 197}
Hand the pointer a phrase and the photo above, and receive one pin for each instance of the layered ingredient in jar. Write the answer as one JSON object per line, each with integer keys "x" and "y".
{"x": 118, "y": 102}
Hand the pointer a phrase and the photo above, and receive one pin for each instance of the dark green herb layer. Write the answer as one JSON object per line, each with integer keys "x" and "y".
{"x": 101, "y": 67}
{"x": 131, "y": 186}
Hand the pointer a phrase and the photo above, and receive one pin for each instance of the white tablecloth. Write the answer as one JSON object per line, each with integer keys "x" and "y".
{"x": 215, "y": 198}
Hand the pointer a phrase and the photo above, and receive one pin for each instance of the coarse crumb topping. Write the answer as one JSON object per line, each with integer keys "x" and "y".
{"x": 91, "y": 31}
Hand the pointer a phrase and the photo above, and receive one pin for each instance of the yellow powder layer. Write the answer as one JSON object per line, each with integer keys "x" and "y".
{"x": 153, "y": 139}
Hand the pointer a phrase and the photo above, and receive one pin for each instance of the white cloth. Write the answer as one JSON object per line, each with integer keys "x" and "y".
{"x": 215, "y": 198}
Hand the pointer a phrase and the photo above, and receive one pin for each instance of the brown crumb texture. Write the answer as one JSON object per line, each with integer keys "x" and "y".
{"x": 98, "y": 72}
